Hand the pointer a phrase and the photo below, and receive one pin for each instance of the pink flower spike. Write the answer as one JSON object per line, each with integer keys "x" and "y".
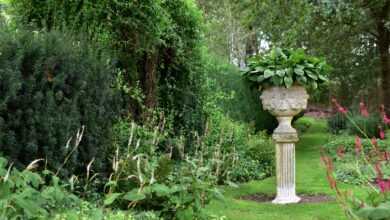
{"x": 384, "y": 185}
{"x": 378, "y": 170}
{"x": 358, "y": 145}
{"x": 363, "y": 110}
{"x": 374, "y": 142}
{"x": 381, "y": 133}
{"x": 342, "y": 110}
{"x": 339, "y": 108}
{"x": 386, "y": 119}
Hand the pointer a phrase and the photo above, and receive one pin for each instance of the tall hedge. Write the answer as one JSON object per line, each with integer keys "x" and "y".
{"x": 50, "y": 86}
{"x": 157, "y": 45}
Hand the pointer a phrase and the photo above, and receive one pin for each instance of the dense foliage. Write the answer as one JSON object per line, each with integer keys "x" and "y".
{"x": 138, "y": 110}
{"x": 51, "y": 86}
{"x": 228, "y": 92}
{"x": 369, "y": 124}
{"x": 156, "y": 45}
{"x": 286, "y": 68}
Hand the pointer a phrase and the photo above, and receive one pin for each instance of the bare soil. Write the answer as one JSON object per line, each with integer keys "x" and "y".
{"x": 265, "y": 198}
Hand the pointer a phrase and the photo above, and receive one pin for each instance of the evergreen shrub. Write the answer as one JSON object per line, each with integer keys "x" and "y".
{"x": 51, "y": 85}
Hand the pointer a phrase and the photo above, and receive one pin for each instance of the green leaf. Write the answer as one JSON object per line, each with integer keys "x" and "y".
{"x": 280, "y": 73}
{"x": 276, "y": 80}
{"x": 258, "y": 69}
{"x": 302, "y": 80}
{"x": 311, "y": 75}
{"x": 379, "y": 213}
{"x": 110, "y": 198}
{"x": 299, "y": 71}
{"x": 134, "y": 195}
{"x": 253, "y": 78}
{"x": 288, "y": 81}
{"x": 161, "y": 190}
{"x": 31, "y": 208}
{"x": 260, "y": 79}
{"x": 314, "y": 85}
{"x": 268, "y": 73}
{"x": 323, "y": 78}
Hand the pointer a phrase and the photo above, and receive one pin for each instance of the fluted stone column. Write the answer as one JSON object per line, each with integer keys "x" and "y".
{"x": 284, "y": 104}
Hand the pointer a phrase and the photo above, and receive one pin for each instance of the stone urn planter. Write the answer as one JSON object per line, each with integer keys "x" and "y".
{"x": 284, "y": 104}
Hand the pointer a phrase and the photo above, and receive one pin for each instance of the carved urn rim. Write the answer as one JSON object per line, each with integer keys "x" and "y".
{"x": 282, "y": 101}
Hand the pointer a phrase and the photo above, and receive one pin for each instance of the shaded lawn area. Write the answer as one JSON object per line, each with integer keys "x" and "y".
{"x": 311, "y": 179}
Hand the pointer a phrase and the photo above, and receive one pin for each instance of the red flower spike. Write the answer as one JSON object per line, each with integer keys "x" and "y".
{"x": 358, "y": 145}
{"x": 363, "y": 110}
{"x": 340, "y": 152}
{"x": 381, "y": 133}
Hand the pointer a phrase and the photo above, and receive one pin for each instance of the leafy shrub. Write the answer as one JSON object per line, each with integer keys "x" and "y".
{"x": 302, "y": 124}
{"x": 233, "y": 96}
{"x": 147, "y": 178}
{"x": 25, "y": 194}
{"x": 337, "y": 123}
{"x": 51, "y": 85}
{"x": 366, "y": 125}
{"x": 348, "y": 144}
{"x": 342, "y": 149}
{"x": 31, "y": 195}
{"x": 233, "y": 151}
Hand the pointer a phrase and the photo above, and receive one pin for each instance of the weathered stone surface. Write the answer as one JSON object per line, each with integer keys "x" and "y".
{"x": 284, "y": 104}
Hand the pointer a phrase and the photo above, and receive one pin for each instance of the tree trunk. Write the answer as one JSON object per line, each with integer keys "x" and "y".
{"x": 150, "y": 81}
{"x": 385, "y": 67}
{"x": 251, "y": 43}
{"x": 383, "y": 41}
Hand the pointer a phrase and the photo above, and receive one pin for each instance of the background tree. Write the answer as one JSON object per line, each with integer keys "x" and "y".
{"x": 352, "y": 35}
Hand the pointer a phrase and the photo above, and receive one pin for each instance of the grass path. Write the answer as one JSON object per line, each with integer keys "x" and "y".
{"x": 310, "y": 180}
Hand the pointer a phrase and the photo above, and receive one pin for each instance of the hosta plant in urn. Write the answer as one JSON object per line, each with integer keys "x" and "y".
{"x": 283, "y": 76}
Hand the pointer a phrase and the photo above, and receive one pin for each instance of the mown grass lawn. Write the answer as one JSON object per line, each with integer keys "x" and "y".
{"x": 311, "y": 179}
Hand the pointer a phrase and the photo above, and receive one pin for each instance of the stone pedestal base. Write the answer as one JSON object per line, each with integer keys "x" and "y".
{"x": 285, "y": 174}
